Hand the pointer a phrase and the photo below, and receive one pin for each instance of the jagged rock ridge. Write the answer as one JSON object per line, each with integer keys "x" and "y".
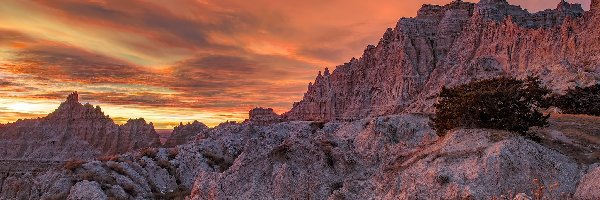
{"x": 185, "y": 133}
{"x": 74, "y": 130}
{"x": 454, "y": 44}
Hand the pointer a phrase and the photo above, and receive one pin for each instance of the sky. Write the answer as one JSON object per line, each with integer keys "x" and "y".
{"x": 172, "y": 61}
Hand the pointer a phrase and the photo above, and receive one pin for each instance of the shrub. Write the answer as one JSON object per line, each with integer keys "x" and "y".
{"x": 216, "y": 161}
{"x": 315, "y": 126}
{"x": 73, "y": 164}
{"x": 148, "y": 152}
{"x": 500, "y": 103}
{"x": 579, "y": 101}
{"x": 164, "y": 164}
{"x": 108, "y": 158}
{"x": 172, "y": 153}
{"x": 87, "y": 175}
{"x": 117, "y": 168}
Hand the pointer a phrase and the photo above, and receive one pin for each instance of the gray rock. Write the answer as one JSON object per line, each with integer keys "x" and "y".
{"x": 87, "y": 190}
{"x": 589, "y": 187}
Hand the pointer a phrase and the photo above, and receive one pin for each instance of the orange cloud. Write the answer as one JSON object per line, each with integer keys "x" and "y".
{"x": 183, "y": 60}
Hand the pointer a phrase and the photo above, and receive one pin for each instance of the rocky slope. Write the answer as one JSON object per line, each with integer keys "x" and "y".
{"x": 390, "y": 157}
{"x": 73, "y": 131}
{"x": 339, "y": 152}
{"x": 454, "y": 44}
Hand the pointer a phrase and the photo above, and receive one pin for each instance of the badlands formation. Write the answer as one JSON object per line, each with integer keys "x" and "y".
{"x": 360, "y": 132}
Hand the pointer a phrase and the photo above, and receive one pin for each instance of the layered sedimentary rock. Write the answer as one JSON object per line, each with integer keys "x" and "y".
{"x": 73, "y": 131}
{"x": 263, "y": 116}
{"x": 186, "y": 133}
{"x": 454, "y": 44}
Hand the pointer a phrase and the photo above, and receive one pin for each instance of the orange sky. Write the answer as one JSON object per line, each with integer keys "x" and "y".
{"x": 183, "y": 60}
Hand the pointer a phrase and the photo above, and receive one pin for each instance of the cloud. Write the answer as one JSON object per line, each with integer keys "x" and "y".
{"x": 182, "y": 57}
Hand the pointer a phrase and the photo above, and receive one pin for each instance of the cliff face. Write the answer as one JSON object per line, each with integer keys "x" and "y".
{"x": 454, "y": 44}
{"x": 73, "y": 131}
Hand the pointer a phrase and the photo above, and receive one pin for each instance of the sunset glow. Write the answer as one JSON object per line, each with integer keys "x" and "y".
{"x": 183, "y": 60}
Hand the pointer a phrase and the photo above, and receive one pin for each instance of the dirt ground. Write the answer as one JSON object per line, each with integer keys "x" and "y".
{"x": 577, "y": 136}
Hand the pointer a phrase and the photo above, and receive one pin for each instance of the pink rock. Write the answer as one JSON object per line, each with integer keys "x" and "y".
{"x": 451, "y": 45}
{"x": 263, "y": 116}
{"x": 74, "y": 131}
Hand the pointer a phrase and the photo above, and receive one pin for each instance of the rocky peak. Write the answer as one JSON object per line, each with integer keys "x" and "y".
{"x": 499, "y": 10}
{"x": 74, "y": 131}
{"x": 73, "y": 98}
{"x": 437, "y": 11}
{"x": 72, "y": 109}
{"x": 185, "y": 133}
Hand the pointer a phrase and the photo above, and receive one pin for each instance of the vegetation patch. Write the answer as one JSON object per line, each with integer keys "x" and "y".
{"x": 172, "y": 153}
{"x": 73, "y": 164}
{"x": 280, "y": 153}
{"x": 579, "y": 100}
{"x": 148, "y": 152}
{"x": 217, "y": 162}
{"x": 315, "y": 126}
{"x": 501, "y": 103}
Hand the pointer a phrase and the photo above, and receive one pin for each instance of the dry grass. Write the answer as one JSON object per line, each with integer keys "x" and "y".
{"x": 172, "y": 153}
{"x": 149, "y": 152}
{"x": 88, "y": 176}
{"x": 280, "y": 153}
{"x": 217, "y": 162}
{"x": 108, "y": 158}
{"x": 164, "y": 164}
{"x": 73, "y": 164}
{"x": 577, "y": 136}
{"x": 117, "y": 168}
{"x": 130, "y": 189}
{"x": 540, "y": 192}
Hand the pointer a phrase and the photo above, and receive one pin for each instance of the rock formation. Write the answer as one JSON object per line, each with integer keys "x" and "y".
{"x": 263, "y": 116}
{"x": 334, "y": 150}
{"x": 390, "y": 157}
{"x": 73, "y": 131}
{"x": 588, "y": 187}
{"x": 454, "y": 44}
{"x": 185, "y": 133}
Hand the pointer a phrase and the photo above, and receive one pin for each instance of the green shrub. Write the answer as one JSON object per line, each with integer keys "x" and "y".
{"x": 500, "y": 103}
{"x": 579, "y": 101}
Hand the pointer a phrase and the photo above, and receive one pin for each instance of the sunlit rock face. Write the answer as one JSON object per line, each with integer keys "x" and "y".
{"x": 74, "y": 130}
{"x": 454, "y": 44}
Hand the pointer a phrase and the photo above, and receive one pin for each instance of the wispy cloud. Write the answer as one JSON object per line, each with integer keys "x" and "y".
{"x": 182, "y": 60}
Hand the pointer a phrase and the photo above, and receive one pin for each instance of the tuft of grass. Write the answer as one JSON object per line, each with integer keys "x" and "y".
{"x": 217, "y": 162}
{"x": 117, "y": 168}
{"x": 172, "y": 153}
{"x": 108, "y": 158}
{"x": 73, "y": 164}
{"x": 149, "y": 152}
{"x": 164, "y": 164}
